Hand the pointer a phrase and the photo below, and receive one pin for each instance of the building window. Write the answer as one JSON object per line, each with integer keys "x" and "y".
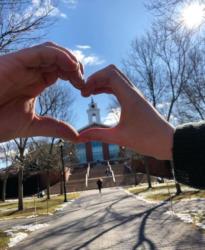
{"x": 114, "y": 151}
{"x": 94, "y": 118}
{"x": 81, "y": 152}
{"x": 97, "y": 151}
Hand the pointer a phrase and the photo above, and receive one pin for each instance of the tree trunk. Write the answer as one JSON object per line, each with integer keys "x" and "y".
{"x": 4, "y": 188}
{"x": 61, "y": 182}
{"x": 48, "y": 184}
{"x": 178, "y": 188}
{"x": 147, "y": 172}
{"x": 135, "y": 171}
{"x": 20, "y": 180}
{"x": 20, "y": 189}
{"x": 135, "y": 178}
{"x": 177, "y": 185}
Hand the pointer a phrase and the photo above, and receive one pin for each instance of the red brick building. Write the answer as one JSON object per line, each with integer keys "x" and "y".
{"x": 95, "y": 151}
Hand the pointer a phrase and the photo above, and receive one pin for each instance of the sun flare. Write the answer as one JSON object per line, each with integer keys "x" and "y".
{"x": 193, "y": 15}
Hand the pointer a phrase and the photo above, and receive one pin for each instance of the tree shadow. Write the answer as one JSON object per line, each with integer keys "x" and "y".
{"x": 108, "y": 216}
{"x": 93, "y": 225}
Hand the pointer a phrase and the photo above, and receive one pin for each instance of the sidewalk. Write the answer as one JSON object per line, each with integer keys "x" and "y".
{"x": 114, "y": 221}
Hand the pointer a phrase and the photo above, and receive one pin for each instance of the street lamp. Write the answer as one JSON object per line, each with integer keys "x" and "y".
{"x": 61, "y": 144}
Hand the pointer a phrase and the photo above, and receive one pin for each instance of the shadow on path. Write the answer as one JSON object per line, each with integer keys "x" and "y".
{"x": 97, "y": 219}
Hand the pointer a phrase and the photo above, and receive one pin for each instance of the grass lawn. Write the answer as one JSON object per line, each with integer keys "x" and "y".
{"x": 4, "y": 240}
{"x": 164, "y": 191}
{"x": 33, "y": 206}
{"x": 187, "y": 194}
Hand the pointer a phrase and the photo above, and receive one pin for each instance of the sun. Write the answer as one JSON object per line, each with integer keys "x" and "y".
{"x": 193, "y": 15}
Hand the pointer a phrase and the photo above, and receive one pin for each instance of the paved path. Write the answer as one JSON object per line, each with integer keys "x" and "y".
{"x": 114, "y": 221}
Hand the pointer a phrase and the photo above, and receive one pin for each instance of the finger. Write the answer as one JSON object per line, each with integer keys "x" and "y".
{"x": 108, "y": 135}
{"x": 53, "y": 71}
{"x": 81, "y": 68}
{"x": 45, "y": 56}
{"x": 107, "y": 80}
{"x": 47, "y": 126}
{"x": 73, "y": 77}
{"x": 61, "y": 48}
{"x": 125, "y": 77}
{"x": 76, "y": 78}
{"x": 49, "y": 78}
{"x": 70, "y": 53}
{"x": 97, "y": 91}
{"x": 102, "y": 91}
{"x": 50, "y": 68}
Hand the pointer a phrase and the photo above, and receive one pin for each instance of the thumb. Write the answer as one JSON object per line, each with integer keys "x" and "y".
{"x": 108, "y": 135}
{"x": 48, "y": 126}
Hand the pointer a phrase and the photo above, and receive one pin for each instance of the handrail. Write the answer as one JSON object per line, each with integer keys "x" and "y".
{"x": 111, "y": 171}
{"x": 87, "y": 175}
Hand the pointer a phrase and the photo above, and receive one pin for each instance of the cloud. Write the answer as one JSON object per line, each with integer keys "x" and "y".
{"x": 71, "y": 4}
{"x": 87, "y": 59}
{"x": 57, "y": 13}
{"x": 39, "y": 7}
{"x": 112, "y": 117}
{"x": 83, "y": 47}
{"x": 70, "y": 1}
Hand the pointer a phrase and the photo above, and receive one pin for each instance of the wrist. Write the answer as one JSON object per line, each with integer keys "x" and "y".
{"x": 164, "y": 145}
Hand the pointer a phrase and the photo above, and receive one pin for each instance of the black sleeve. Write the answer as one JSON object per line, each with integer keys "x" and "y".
{"x": 189, "y": 154}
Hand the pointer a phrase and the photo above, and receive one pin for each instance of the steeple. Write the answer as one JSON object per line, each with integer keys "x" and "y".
{"x": 93, "y": 113}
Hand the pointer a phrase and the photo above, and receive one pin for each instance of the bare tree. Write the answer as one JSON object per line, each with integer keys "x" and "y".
{"x": 193, "y": 98}
{"x": 142, "y": 67}
{"x": 169, "y": 13}
{"x": 158, "y": 65}
{"x": 23, "y": 22}
{"x": 42, "y": 157}
{"x": 20, "y": 151}
{"x": 7, "y": 153}
{"x": 57, "y": 102}
{"x": 164, "y": 6}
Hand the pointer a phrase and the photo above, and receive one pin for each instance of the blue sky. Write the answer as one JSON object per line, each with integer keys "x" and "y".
{"x": 104, "y": 30}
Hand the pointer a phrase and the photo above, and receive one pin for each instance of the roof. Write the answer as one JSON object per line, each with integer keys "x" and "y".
{"x": 9, "y": 170}
{"x": 93, "y": 125}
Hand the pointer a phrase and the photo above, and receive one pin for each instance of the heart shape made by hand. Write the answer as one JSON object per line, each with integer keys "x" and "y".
{"x": 140, "y": 126}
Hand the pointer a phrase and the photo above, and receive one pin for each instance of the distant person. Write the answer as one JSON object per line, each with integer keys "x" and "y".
{"x": 99, "y": 184}
{"x": 127, "y": 167}
{"x": 107, "y": 171}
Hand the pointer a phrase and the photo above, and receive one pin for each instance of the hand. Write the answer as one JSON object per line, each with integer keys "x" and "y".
{"x": 140, "y": 127}
{"x": 23, "y": 76}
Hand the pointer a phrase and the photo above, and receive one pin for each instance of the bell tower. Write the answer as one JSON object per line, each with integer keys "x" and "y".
{"x": 93, "y": 113}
